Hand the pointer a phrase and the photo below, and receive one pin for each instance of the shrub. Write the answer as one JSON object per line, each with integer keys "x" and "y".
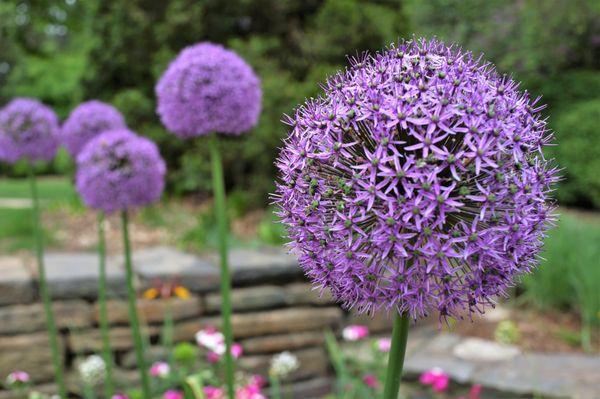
{"x": 578, "y": 151}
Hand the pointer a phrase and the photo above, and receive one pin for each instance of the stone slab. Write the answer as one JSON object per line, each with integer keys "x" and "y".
{"x": 75, "y": 275}
{"x": 30, "y": 352}
{"x": 249, "y": 266}
{"x": 251, "y": 298}
{"x": 280, "y": 342}
{"x": 16, "y": 283}
{"x": 167, "y": 264}
{"x": 85, "y": 341}
{"x": 315, "y": 388}
{"x": 305, "y": 294}
{"x": 20, "y": 319}
{"x": 313, "y": 363}
{"x": 151, "y": 310}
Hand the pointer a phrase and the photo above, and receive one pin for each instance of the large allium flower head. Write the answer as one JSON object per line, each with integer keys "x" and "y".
{"x": 88, "y": 120}
{"x": 206, "y": 89}
{"x": 417, "y": 182}
{"x": 28, "y": 130}
{"x": 119, "y": 170}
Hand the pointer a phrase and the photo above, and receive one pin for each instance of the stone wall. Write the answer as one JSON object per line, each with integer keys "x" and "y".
{"x": 274, "y": 310}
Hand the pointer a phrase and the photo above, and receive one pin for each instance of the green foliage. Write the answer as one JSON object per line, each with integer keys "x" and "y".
{"x": 507, "y": 332}
{"x": 271, "y": 230}
{"x": 578, "y": 151}
{"x": 569, "y": 277}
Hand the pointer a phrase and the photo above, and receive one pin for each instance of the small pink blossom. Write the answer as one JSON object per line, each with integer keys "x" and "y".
{"x": 17, "y": 377}
{"x": 211, "y": 339}
{"x": 250, "y": 391}
{"x": 474, "y": 392}
{"x": 173, "y": 394}
{"x": 120, "y": 396}
{"x": 212, "y": 357}
{"x": 384, "y": 345}
{"x": 236, "y": 350}
{"x": 355, "y": 332}
{"x": 371, "y": 381}
{"x": 436, "y": 378}
{"x": 160, "y": 369}
{"x": 214, "y": 392}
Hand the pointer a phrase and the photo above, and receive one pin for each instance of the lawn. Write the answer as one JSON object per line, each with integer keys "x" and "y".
{"x": 16, "y": 228}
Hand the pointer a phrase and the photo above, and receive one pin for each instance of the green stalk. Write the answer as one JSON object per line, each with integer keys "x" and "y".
{"x": 44, "y": 292}
{"x": 102, "y": 308}
{"x": 133, "y": 316}
{"x": 396, "y": 357}
{"x": 221, "y": 213}
{"x": 275, "y": 386}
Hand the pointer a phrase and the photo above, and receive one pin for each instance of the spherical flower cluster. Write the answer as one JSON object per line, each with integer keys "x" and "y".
{"x": 28, "y": 130}
{"x": 206, "y": 89}
{"x": 119, "y": 170}
{"x": 417, "y": 182}
{"x": 87, "y": 121}
{"x": 283, "y": 364}
{"x": 92, "y": 370}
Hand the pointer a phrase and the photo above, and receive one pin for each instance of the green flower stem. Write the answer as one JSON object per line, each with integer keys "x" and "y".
{"x": 275, "y": 386}
{"x": 396, "y": 357}
{"x": 221, "y": 213}
{"x": 44, "y": 292}
{"x": 133, "y": 316}
{"x": 103, "y": 312}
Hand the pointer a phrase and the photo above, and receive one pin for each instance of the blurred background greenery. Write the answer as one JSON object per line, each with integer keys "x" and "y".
{"x": 67, "y": 51}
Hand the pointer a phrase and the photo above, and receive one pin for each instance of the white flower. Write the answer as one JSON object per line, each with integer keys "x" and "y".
{"x": 92, "y": 370}
{"x": 283, "y": 364}
{"x": 212, "y": 340}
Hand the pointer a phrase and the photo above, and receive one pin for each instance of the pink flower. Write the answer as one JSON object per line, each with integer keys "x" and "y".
{"x": 214, "y": 392}
{"x": 371, "y": 381}
{"x": 236, "y": 350}
{"x": 258, "y": 380}
{"x": 120, "y": 396}
{"x": 212, "y": 357}
{"x": 211, "y": 339}
{"x": 160, "y": 369}
{"x": 437, "y": 378}
{"x": 17, "y": 377}
{"x": 250, "y": 391}
{"x": 384, "y": 345}
{"x": 355, "y": 332}
{"x": 173, "y": 394}
{"x": 474, "y": 392}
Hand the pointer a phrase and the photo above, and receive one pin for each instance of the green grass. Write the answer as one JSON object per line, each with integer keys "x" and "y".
{"x": 16, "y": 226}
{"x": 569, "y": 277}
{"x": 50, "y": 188}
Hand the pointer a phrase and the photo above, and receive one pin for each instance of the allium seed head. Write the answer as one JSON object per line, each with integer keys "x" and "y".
{"x": 28, "y": 130}
{"x": 119, "y": 170}
{"x": 417, "y": 182}
{"x": 87, "y": 121}
{"x": 206, "y": 89}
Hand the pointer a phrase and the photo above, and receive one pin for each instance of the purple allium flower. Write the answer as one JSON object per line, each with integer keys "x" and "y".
{"x": 28, "y": 129}
{"x": 206, "y": 89}
{"x": 119, "y": 170}
{"x": 87, "y": 121}
{"x": 417, "y": 182}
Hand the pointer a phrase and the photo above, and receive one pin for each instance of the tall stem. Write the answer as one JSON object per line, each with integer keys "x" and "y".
{"x": 44, "y": 292}
{"x": 133, "y": 316}
{"x": 396, "y": 357}
{"x": 103, "y": 312}
{"x": 221, "y": 213}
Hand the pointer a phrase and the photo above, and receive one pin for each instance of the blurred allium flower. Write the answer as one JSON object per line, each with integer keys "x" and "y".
{"x": 17, "y": 378}
{"x": 119, "y": 170}
{"x": 160, "y": 369}
{"x": 283, "y": 364}
{"x": 92, "y": 370}
{"x": 173, "y": 394}
{"x": 355, "y": 332}
{"x": 206, "y": 89}
{"x": 436, "y": 378}
{"x": 87, "y": 121}
{"x": 417, "y": 182}
{"x": 384, "y": 344}
{"x": 28, "y": 129}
